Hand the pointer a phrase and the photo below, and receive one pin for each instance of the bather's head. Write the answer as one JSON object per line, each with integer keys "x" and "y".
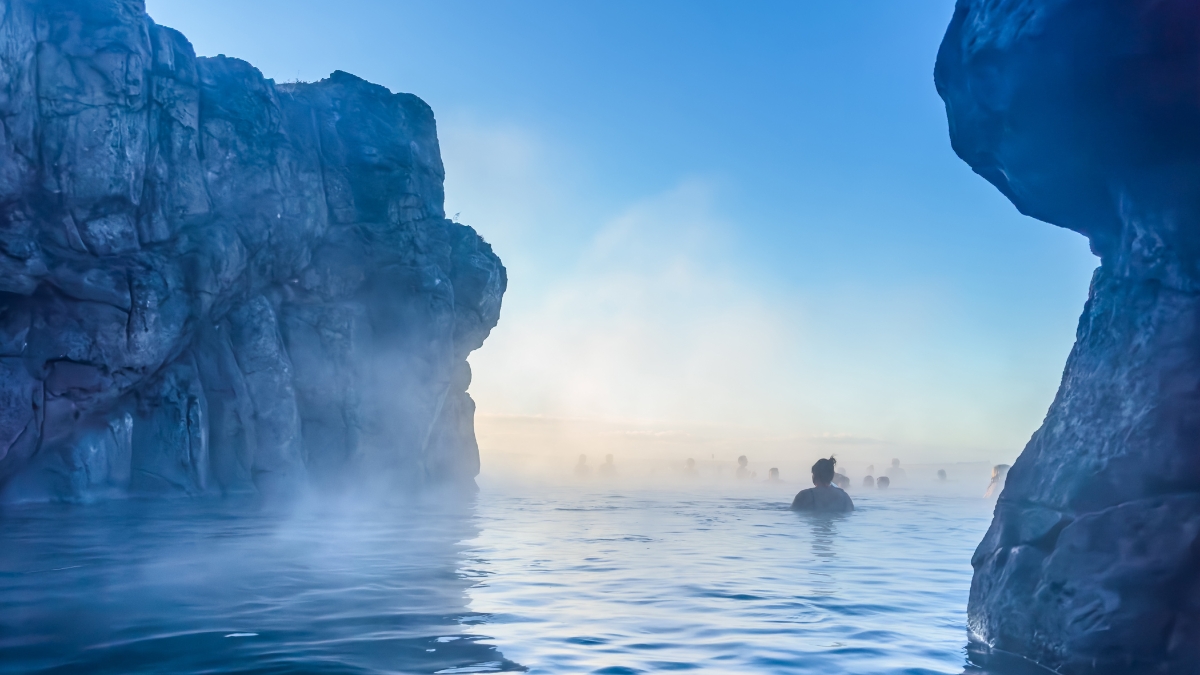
{"x": 941, "y": 474}
{"x": 883, "y": 482}
{"x": 895, "y": 464}
{"x": 774, "y": 474}
{"x": 742, "y": 461}
{"x": 822, "y": 472}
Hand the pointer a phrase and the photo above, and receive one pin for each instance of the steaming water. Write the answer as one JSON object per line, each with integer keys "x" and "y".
{"x": 553, "y": 580}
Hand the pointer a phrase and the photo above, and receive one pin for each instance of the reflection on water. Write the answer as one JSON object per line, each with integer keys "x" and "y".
{"x": 551, "y": 579}
{"x": 824, "y": 533}
{"x": 725, "y": 582}
{"x": 189, "y": 587}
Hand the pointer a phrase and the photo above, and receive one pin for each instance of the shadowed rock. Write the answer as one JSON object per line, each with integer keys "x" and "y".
{"x": 1086, "y": 114}
{"x": 210, "y": 283}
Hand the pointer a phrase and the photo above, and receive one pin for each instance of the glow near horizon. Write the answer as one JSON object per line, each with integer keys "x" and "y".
{"x": 719, "y": 219}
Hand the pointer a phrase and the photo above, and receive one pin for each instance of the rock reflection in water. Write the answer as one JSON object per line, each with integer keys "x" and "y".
{"x": 184, "y": 587}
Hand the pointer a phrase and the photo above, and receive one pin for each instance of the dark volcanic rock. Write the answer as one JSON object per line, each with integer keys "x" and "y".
{"x": 211, "y": 283}
{"x": 1086, "y": 114}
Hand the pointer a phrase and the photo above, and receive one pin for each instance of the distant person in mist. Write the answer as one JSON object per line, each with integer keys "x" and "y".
{"x": 941, "y": 475}
{"x": 894, "y": 472}
{"x": 841, "y": 480}
{"x": 824, "y": 497}
{"x": 608, "y": 469}
{"x": 773, "y": 476}
{"x": 743, "y": 471}
{"x": 689, "y": 469}
{"x": 869, "y": 479}
{"x": 883, "y": 482}
{"x": 581, "y": 467}
{"x": 999, "y": 475}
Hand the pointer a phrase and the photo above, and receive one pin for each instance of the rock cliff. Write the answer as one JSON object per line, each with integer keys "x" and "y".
{"x": 1086, "y": 114}
{"x": 213, "y": 283}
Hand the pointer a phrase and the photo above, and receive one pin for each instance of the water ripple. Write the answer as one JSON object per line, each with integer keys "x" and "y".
{"x": 558, "y": 582}
{"x": 663, "y": 581}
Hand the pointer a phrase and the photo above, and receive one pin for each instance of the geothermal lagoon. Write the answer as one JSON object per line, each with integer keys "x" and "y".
{"x": 585, "y": 578}
{"x": 244, "y": 336}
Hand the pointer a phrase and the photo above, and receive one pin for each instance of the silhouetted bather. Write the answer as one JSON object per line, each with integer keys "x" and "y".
{"x": 608, "y": 468}
{"x": 824, "y": 497}
{"x": 742, "y": 471}
{"x": 868, "y": 481}
{"x": 581, "y": 467}
{"x": 999, "y": 475}
{"x": 690, "y": 468}
{"x": 942, "y": 475}
{"x": 841, "y": 480}
{"x": 883, "y": 482}
{"x": 894, "y": 472}
{"x": 774, "y": 476}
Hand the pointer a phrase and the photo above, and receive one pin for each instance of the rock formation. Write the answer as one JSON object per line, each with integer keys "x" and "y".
{"x": 213, "y": 283}
{"x": 1086, "y": 114}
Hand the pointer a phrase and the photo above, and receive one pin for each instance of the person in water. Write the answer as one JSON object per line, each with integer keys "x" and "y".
{"x": 689, "y": 469}
{"x": 774, "y": 476}
{"x": 883, "y": 482}
{"x": 608, "y": 469}
{"x": 581, "y": 467}
{"x": 941, "y": 475}
{"x": 894, "y": 472}
{"x": 742, "y": 470}
{"x": 999, "y": 475}
{"x": 824, "y": 497}
{"x": 868, "y": 481}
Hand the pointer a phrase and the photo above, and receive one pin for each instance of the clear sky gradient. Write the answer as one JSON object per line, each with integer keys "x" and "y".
{"x": 732, "y": 223}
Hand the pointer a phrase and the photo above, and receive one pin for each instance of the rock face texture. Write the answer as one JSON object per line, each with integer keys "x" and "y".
{"x": 213, "y": 283}
{"x": 1086, "y": 114}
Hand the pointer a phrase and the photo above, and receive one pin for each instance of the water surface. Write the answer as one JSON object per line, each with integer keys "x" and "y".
{"x": 574, "y": 579}
{"x": 725, "y": 582}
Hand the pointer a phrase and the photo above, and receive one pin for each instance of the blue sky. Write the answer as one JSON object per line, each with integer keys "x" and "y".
{"x": 722, "y": 220}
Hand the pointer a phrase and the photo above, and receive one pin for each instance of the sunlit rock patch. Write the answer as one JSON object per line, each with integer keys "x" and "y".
{"x": 211, "y": 283}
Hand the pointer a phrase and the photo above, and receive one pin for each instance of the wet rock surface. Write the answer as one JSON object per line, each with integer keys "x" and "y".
{"x": 212, "y": 283}
{"x": 1086, "y": 114}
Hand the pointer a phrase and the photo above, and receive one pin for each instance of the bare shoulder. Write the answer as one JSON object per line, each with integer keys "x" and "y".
{"x": 804, "y": 499}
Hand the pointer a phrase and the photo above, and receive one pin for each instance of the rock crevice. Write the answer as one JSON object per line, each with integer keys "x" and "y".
{"x": 211, "y": 283}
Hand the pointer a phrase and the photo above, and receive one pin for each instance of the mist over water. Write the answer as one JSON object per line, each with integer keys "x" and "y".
{"x": 641, "y": 571}
{"x": 189, "y": 587}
